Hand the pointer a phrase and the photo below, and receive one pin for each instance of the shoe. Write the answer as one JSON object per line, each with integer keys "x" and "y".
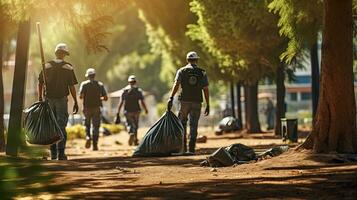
{"x": 63, "y": 157}
{"x": 131, "y": 139}
{"x": 88, "y": 143}
{"x": 95, "y": 147}
{"x": 190, "y": 153}
{"x": 53, "y": 157}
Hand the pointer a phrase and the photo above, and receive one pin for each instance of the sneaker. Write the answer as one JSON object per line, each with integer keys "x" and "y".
{"x": 131, "y": 139}
{"x": 95, "y": 147}
{"x": 53, "y": 157}
{"x": 88, "y": 143}
{"x": 63, "y": 157}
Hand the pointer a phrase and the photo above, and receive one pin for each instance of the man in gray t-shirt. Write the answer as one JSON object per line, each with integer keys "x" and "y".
{"x": 93, "y": 93}
{"x": 192, "y": 80}
{"x": 130, "y": 99}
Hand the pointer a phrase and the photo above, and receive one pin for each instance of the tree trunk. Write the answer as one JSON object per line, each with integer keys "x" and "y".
{"x": 18, "y": 89}
{"x": 335, "y": 122}
{"x": 2, "y": 134}
{"x": 253, "y": 124}
{"x": 280, "y": 98}
{"x": 246, "y": 114}
{"x": 232, "y": 100}
{"x": 239, "y": 106}
{"x": 315, "y": 78}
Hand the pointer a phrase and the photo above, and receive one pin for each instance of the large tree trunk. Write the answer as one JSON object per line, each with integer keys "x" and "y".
{"x": 232, "y": 100}
{"x": 2, "y": 134}
{"x": 18, "y": 88}
{"x": 253, "y": 124}
{"x": 315, "y": 78}
{"x": 335, "y": 122}
{"x": 239, "y": 105}
{"x": 280, "y": 98}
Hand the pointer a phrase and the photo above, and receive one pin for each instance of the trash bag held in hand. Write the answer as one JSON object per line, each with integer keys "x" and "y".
{"x": 41, "y": 126}
{"x": 163, "y": 138}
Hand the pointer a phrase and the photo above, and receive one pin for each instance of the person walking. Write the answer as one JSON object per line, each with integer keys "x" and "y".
{"x": 130, "y": 99}
{"x": 60, "y": 81}
{"x": 92, "y": 92}
{"x": 192, "y": 81}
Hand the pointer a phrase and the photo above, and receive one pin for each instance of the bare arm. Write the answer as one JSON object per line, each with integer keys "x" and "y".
{"x": 175, "y": 89}
{"x": 40, "y": 91}
{"x": 72, "y": 89}
{"x": 120, "y": 105}
{"x": 144, "y": 105}
{"x": 206, "y": 93}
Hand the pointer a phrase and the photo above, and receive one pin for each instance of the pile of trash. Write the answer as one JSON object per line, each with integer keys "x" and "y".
{"x": 239, "y": 154}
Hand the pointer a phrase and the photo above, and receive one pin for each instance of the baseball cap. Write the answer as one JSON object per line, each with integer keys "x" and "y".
{"x": 90, "y": 71}
{"x": 62, "y": 47}
{"x": 131, "y": 78}
{"x": 192, "y": 55}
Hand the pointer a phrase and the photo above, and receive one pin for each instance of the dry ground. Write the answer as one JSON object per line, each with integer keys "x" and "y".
{"x": 112, "y": 174}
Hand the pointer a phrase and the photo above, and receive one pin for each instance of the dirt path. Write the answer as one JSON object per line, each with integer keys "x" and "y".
{"x": 112, "y": 174}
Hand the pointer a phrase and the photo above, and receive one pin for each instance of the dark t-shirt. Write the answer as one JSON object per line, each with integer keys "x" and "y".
{"x": 192, "y": 79}
{"x": 92, "y": 91}
{"x": 59, "y": 76}
{"x": 131, "y": 96}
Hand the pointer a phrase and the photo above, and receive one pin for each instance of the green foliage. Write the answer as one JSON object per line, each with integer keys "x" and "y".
{"x": 240, "y": 35}
{"x": 79, "y": 131}
{"x": 300, "y": 21}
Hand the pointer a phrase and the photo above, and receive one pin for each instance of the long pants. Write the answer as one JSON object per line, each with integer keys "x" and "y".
{"x": 60, "y": 109}
{"x": 92, "y": 117}
{"x": 191, "y": 111}
{"x": 132, "y": 122}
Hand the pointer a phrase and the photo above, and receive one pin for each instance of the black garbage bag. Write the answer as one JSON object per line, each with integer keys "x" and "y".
{"x": 220, "y": 158}
{"x": 241, "y": 152}
{"x": 40, "y": 125}
{"x": 228, "y": 124}
{"x": 228, "y": 156}
{"x": 163, "y": 138}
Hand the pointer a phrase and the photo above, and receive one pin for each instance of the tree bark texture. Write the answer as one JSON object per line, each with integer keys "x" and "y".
{"x": 18, "y": 88}
{"x": 280, "y": 98}
{"x": 335, "y": 122}
{"x": 315, "y": 78}
{"x": 2, "y": 132}
{"x": 239, "y": 105}
{"x": 253, "y": 124}
{"x": 232, "y": 100}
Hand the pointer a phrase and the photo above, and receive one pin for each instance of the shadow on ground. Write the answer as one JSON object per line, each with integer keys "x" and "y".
{"x": 323, "y": 185}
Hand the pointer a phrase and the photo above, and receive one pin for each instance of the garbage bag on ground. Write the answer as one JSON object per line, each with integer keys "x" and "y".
{"x": 275, "y": 151}
{"x": 239, "y": 154}
{"x": 227, "y": 124}
{"x": 164, "y": 138}
{"x": 40, "y": 125}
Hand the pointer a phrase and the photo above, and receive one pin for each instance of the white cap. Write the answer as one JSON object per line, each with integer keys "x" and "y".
{"x": 62, "y": 47}
{"x": 192, "y": 55}
{"x": 90, "y": 71}
{"x": 131, "y": 78}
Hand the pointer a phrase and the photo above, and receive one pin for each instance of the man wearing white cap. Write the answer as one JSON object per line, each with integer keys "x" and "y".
{"x": 192, "y": 81}
{"x": 93, "y": 93}
{"x": 130, "y": 99}
{"x": 60, "y": 81}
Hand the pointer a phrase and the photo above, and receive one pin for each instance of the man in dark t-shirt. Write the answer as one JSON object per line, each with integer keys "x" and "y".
{"x": 93, "y": 93}
{"x": 60, "y": 81}
{"x": 192, "y": 80}
{"x": 130, "y": 98}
